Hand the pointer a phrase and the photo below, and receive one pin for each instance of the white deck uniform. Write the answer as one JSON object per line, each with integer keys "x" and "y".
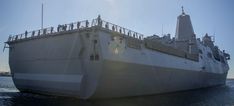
{"x": 100, "y": 60}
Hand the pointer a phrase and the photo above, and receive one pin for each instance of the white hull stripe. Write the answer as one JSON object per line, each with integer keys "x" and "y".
{"x": 49, "y": 77}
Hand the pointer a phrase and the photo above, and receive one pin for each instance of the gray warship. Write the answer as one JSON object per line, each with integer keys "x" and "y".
{"x": 99, "y": 59}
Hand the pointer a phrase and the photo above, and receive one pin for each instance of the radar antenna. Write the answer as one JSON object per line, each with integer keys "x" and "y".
{"x": 182, "y": 10}
{"x": 42, "y": 16}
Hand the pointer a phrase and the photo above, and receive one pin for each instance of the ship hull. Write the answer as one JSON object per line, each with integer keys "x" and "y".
{"x": 81, "y": 64}
{"x": 119, "y": 79}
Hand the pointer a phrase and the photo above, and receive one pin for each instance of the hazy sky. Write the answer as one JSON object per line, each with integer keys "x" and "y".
{"x": 215, "y": 17}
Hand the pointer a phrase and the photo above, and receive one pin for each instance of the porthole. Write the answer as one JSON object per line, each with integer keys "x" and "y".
{"x": 95, "y": 41}
{"x": 96, "y": 57}
{"x": 91, "y": 57}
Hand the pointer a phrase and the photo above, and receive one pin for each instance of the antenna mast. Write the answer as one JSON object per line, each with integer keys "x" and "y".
{"x": 182, "y": 10}
{"x": 162, "y": 29}
{"x": 42, "y": 16}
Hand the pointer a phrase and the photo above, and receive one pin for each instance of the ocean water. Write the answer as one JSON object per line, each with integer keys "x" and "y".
{"x": 213, "y": 96}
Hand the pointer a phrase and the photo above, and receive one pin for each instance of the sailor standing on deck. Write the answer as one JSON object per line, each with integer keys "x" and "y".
{"x": 58, "y": 28}
{"x": 99, "y": 20}
{"x": 71, "y": 26}
{"x": 26, "y": 34}
{"x": 78, "y": 25}
{"x": 87, "y": 23}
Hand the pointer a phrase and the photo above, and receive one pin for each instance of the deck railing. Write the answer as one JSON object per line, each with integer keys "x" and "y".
{"x": 76, "y": 26}
{"x": 116, "y": 28}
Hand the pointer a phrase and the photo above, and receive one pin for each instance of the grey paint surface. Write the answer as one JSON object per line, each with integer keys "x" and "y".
{"x": 60, "y": 55}
{"x": 97, "y": 62}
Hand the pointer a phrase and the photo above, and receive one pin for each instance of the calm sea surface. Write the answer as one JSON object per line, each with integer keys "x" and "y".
{"x": 215, "y": 96}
